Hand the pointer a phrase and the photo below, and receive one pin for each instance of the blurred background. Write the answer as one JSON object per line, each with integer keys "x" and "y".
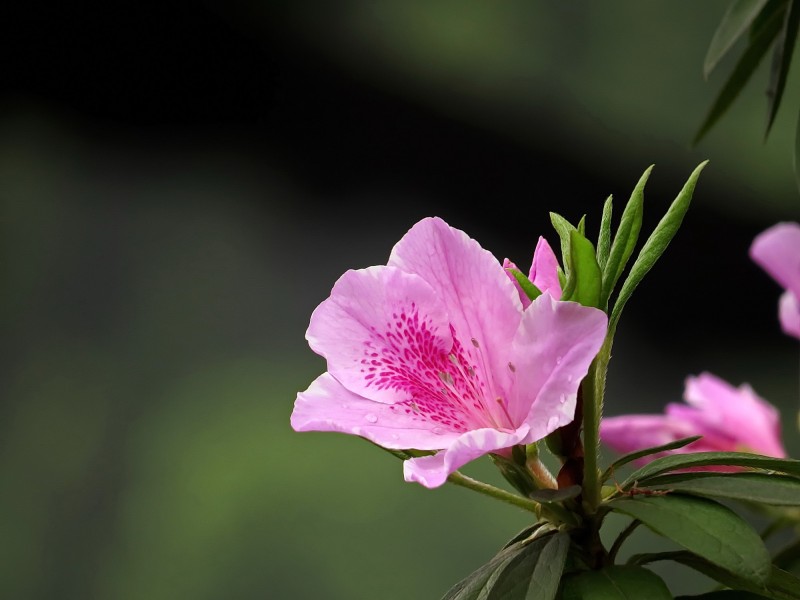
{"x": 182, "y": 183}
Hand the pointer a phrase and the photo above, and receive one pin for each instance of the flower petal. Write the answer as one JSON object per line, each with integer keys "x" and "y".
{"x": 328, "y": 406}
{"x": 630, "y": 433}
{"x": 482, "y": 303}
{"x": 381, "y": 330}
{"x": 789, "y": 314}
{"x": 432, "y": 471}
{"x": 777, "y": 251}
{"x": 544, "y": 269}
{"x": 551, "y": 353}
{"x": 736, "y": 413}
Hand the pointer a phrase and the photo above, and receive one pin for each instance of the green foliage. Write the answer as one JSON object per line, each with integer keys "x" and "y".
{"x": 619, "y": 582}
{"x": 705, "y": 528}
{"x": 584, "y": 280}
{"x": 628, "y": 458}
{"x": 526, "y": 569}
{"x": 759, "y": 488}
{"x": 770, "y": 24}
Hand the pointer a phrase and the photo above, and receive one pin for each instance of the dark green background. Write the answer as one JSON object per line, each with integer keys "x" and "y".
{"x": 181, "y": 186}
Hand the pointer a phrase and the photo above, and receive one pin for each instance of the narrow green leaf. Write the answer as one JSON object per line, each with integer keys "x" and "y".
{"x": 761, "y": 39}
{"x": 584, "y": 280}
{"x": 524, "y": 534}
{"x": 780, "y": 585}
{"x": 656, "y": 244}
{"x": 604, "y": 238}
{"x": 624, "y": 460}
{"x": 619, "y": 582}
{"x": 567, "y": 493}
{"x": 625, "y": 239}
{"x": 774, "y": 490}
{"x": 675, "y": 462}
{"x": 535, "y": 573}
{"x": 796, "y": 158}
{"x": 563, "y": 228}
{"x": 531, "y": 291}
{"x": 725, "y": 595}
{"x": 735, "y": 22}
{"x": 526, "y": 570}
{"x": 705, "y": 528}
{"x": 781, "y": 60}
{"x": 582, "y": 225}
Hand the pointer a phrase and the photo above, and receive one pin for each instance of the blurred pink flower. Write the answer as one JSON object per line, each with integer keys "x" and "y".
{"x": 729, "y": 419}
{"x": 777, "y": 251}
{"x": 434, "y": 351}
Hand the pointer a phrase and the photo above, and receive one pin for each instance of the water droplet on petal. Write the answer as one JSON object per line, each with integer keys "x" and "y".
{"x": 438, "y": 431}
{"x": 371, "y": 418}
{"x": 559, "y": 359}
{"x": 552, "y": 423}
{"x": 563, "y": 398}
{"x": 395, "y": 436}
{"x": 569, "y": 378}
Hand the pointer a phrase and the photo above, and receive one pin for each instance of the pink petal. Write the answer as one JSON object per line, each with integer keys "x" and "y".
{"x": 382, "y": 332}
{"x": 544, "y": 269}
{"x": 482, "y": 303}
{"x": 550, "y": 355}
{"x": 328, "y": 406}
{"x": 789, "y": 314}
{"x": 432, "y": 471}
{"x": 736, "y": 413}
{"x": 523, "y": 297}
{"x": 777, "y": 251}
{"x": 630, "y": 433}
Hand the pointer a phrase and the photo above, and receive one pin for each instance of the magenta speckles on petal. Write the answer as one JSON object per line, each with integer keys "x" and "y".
{"x": 435, "y": 352}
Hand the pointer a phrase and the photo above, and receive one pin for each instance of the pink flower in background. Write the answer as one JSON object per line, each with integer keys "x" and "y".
{"x": 729, "y": 419}
{"x": 434, "y": 351}
{"x": 777, "y": 251}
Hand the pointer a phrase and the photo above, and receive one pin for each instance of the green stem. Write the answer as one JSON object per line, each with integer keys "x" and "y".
{"x": 624, "y": 534}
{"x": 494, "y": 492}
{"x": 595, "y": 384}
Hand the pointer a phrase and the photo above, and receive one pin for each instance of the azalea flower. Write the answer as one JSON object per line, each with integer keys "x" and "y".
{"x": 777, "y": 251}
{"x": 730, "y": 419}
{"x": 435, "y": 352}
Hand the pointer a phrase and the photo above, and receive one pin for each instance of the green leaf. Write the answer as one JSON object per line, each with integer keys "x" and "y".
{"x": 619, "y": 582}
{"x": 567, "y": 493}
{"x": 725, "y": 595}
{"x": 781, "y": 60}
{"x": 705, "y": 528}
{"x": 524, "y": 534}
{"x": 604, "y": 238}
{"x": 563, "y": 228}
{"x": 780, "y": 585}
{"x": 625, "y": 239}
{"x": 735, "y": 22}
{"x": 582, "y": 226}
{"x": 761, "y": 39}
{"x": 584, "y": 280}
{"x": 525, "y": 570}
{"x": 796, "y": 158}
{"x": 656, "y": 244}
{"x": 624, "y": 460}
{"x": 775, "y": 490}
{"x": 788, "y": 557}
{"x": 533, "y": 575}
{"x": 531, "y": 291}
{"x": 675, "y": 462}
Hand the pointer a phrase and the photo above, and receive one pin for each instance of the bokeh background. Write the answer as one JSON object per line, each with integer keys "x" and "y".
{"x": 182, "y": 183}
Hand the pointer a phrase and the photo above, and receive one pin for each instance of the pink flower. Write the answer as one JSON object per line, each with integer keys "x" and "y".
{"x": 434, "y": 351}
{"x": 729, "y": 419}
{"x": 543, "y": 273}
{"x": 777, "y": 251}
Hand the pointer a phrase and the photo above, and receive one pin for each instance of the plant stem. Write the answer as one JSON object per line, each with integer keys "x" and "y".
{"x": 595, "y": 384}
{"x": 624, "y": 534}
{"x": 494, "y": 492}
